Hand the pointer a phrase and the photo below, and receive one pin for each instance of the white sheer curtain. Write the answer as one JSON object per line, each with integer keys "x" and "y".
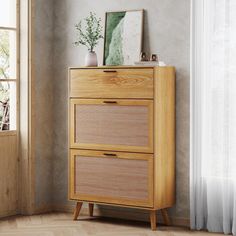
{"x": 213, "y": 116}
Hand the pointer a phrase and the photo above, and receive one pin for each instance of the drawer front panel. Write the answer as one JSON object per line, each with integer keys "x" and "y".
{"x": 123, "y": 126}
{"x": 118, "y": 83}
{"x": 122, "y": 179}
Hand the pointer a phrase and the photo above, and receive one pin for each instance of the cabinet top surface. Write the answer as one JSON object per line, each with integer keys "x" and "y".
{"x": 118, "y": 67}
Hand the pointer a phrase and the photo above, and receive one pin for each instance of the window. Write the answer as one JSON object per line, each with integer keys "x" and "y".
{"x": 9, "y": 42}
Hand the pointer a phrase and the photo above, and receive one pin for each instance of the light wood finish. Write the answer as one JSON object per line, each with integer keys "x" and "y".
{"x": 153, "y": 220}
{"x": 91, "y": 207}
{"x": 112, "y": 83}
{"x": 8, "y": 80}
{"x": 109, "y": 67}
{"x": 7, "y": 28}
{"x": 126, "y": 125}
{"x": 77, "y": 210}
{"x": 119, "y": 178}
{"x": 60, "y": 224}
{"x": 164, "y": 144}
{"x": 8, "y": 174}
{"x": 111, "y": 125}
{"x": 165, "y": 216}
{"x": 8, "y": 133}
{"x": 94, "y": 126}
{"x": 27, "y": 105}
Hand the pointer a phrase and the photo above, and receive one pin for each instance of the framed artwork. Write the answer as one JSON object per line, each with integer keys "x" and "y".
{"x": 123, "y": 37}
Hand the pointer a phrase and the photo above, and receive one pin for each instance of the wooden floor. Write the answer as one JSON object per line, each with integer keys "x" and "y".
{"x": 61, "y": 224}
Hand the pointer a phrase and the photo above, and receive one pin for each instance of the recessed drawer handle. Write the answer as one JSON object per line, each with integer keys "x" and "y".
{"x": 110, "y": 102}
{"x": 110, "y": 71}
{"x": 110, "y": 154}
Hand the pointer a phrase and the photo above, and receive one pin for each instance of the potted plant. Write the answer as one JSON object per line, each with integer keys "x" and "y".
{"x": 89, "y": 32}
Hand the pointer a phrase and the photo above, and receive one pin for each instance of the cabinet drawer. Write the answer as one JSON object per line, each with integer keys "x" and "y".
{"x": 118, "y": 124}
{"x": 111, "y": 83}
{"x": 119, "y": 178}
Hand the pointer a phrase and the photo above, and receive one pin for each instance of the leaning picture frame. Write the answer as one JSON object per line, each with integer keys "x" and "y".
{"x": 123, "y": 39}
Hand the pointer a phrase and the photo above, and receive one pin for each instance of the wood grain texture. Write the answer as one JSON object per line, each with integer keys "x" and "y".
{"x": 60, "y": 224}
{"x": 28, "y": 108}
{"x": 164, "y": 139}
{"x": 77, "y": 210}
{"x": 111, "y": 125}
{"x": 111, "y": 83}
{"x": 8, "y": 174}
{"x": 153, "y": 220}
{"x": 90, "y": 167}
{"x": 111, "y": 177}
{"x": 126, "y": 125}
{"x": 122, "y": 179}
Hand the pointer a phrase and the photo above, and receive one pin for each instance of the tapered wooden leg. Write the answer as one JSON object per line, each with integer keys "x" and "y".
{"x": 153, "y": 220}
{"x": 77, "y": 210}
{"x": 165, "y": 216}
{"x": 91, "y": 206}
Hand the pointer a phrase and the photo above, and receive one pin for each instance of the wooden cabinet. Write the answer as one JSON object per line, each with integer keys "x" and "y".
{"x": 122, "y": 137}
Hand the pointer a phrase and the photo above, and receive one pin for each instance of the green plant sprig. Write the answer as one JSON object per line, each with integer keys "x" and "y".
{"x": 88, "y": 34}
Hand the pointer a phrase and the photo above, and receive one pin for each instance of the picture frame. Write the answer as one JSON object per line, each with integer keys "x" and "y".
{"x": 123, "y": 38}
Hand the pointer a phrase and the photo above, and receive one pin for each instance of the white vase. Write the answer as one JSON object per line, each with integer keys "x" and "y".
{"x": 91, "y": 59}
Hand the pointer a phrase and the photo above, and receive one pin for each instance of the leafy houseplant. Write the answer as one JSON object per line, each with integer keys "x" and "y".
{"x": 88, "y": 34}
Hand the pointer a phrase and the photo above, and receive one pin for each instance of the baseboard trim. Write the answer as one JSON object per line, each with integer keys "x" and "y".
{"x": 8, "y": 214}
{"x": 117, "y": 212}
{"x": 43, "y": 209}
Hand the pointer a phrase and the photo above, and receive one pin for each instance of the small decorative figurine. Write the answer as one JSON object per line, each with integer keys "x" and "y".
{"x": 143, "y": 56}
{"x": 154, "y": 57}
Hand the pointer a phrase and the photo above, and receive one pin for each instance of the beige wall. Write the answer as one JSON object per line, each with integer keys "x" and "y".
{"x": 166, "y": 33}
{"x": 43, "y": 61}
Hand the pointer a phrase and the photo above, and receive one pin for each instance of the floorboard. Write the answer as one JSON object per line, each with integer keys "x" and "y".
{"x": 61, "y": 224}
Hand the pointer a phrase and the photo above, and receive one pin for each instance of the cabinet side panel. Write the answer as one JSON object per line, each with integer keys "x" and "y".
{"x": 164, "y": 137}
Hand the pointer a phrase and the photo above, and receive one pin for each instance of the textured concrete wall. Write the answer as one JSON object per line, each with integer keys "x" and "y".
{"x": 167, "y": 33}
{"x": 43, "y": 60}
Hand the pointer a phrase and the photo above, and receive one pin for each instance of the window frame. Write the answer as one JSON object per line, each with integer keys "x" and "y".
{"x": 16, "y": 80}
